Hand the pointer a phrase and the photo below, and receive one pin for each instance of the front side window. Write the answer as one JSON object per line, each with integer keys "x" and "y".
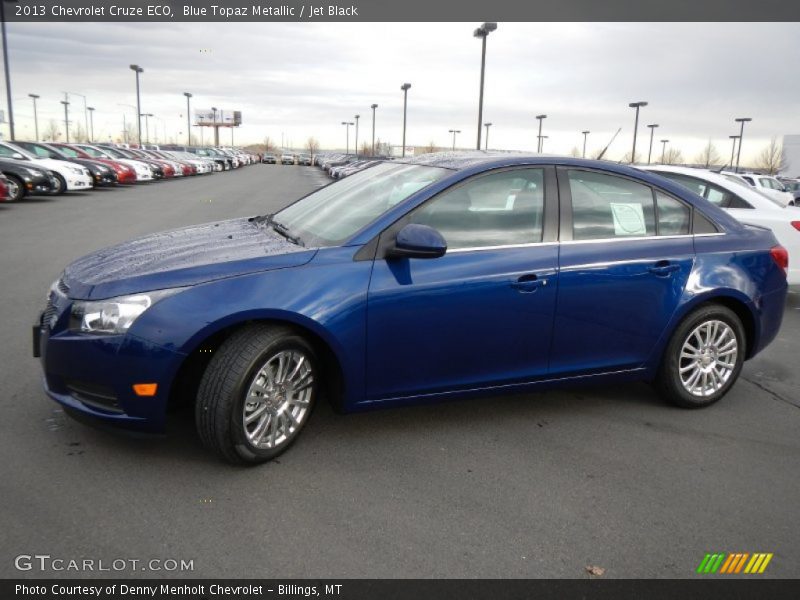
{"x": 607, "y": 206}
{"x": 338, "y": 211}
{"x": 501, "y": 209}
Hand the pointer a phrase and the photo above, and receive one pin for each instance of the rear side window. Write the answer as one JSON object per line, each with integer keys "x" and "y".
{"x": 673, "y": 215}
{"x": 606, "y": 206}
{"x": 710, "y": 191}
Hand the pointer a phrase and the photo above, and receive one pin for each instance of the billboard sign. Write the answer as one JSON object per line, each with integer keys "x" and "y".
{"x": 218, "y": 118}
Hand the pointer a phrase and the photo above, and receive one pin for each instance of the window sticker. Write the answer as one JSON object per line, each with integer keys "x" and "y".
{"x": 628, "y": 218}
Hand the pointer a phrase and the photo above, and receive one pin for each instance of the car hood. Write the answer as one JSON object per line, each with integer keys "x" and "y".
{"x": 182, "y": 257}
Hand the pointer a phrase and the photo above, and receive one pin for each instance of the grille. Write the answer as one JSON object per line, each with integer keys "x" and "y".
{"x": 50, "y": 312}
{"x": 63, "y": 287}
{"x": 94, "y": 396}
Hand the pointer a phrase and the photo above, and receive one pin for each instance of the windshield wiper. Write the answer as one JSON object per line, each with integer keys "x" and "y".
{"x": 284, "y": 231}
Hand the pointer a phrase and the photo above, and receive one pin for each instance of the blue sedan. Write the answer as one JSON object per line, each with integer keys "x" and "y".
{"x": 413, "y": 281}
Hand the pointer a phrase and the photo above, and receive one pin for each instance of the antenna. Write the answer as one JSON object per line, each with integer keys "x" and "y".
{"x": 603, "y": 153}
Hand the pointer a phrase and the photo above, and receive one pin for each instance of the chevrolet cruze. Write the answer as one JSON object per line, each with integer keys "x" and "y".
{"x": 414, "y": 281}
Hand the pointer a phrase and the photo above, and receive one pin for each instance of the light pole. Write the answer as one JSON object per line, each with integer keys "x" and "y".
{"x": 652, "y": 127}
{"x": 66, "y": 116}
{"x": 91, "y": 123}
{"x": 35, "y": 114}
{"x": 539, "y": 137}
{"x": 482, "y": 32}
{"x": 403, "y": 87}
{"x": 733, "y": 147}
{"x": 356, "y": 144}
{"x": 663, "y": 149}
{"x": 541, "y": 142}
{"x": 637, "y": 106}
{"x": 373, "y": 107}
{"x": 7, "y": 72}
{"x": 486, "y": 143}
{"x": 347, "y": 134}
{"x": 146, "y": 125}
{"x": 137, "y": 69}
{"x": 454, "y": 132}
{"x": 741, "y": 120}
{"x": 214, "y": 123}
{"x": 585, "y": 135}
{"x": 188, "y": 120}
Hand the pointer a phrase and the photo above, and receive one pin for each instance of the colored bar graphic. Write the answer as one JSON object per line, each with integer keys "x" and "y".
{"x": 741, "y": 562}
{"x": 734, "y": 562}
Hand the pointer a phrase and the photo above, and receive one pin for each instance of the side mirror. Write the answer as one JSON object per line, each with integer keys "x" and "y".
{"x": 418, "y": 241}
{"x": 18, "y": 156}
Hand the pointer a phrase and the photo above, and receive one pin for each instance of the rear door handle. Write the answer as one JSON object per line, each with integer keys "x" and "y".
{"x": 529, "y": 283}
{"x": 663, "y": 268}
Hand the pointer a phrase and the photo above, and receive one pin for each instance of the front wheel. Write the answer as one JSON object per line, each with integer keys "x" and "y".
{"x": 16, "y": 189}
{"x": 256, "y": 394}
{"x": 703, "y": 358}
{"x": 61, "y": 185}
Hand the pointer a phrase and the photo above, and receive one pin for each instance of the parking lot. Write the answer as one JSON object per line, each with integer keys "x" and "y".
{"x": 539, "y": 485}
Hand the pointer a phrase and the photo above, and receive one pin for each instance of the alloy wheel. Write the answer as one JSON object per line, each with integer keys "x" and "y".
{"x": 708, "y": 358}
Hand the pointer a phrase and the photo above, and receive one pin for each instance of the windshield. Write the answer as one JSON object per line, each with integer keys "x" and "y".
{"x": 336, "y": 212}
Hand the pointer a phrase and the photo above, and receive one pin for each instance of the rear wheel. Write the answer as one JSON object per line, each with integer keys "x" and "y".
{"x": 703, "y": 358}
{"x": 256, "y": 394}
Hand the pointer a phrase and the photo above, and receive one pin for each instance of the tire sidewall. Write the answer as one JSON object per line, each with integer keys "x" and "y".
{"x": 671, "y": 362}
{"x": 20, "y": 189}
{"x": 243, "y": 447}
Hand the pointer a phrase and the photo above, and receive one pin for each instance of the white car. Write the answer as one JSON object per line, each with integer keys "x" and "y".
{"x": 69, "y": 176}
{"x": 142, "y": 169}
{"x": 766, "y": 184}
{"x": 746, "y": 204}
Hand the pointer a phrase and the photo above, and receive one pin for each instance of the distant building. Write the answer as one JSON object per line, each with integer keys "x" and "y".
{"x": 791, "y": 156}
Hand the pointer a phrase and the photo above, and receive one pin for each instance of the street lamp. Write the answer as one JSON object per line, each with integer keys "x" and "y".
{"x": 663, "y": 149}
{"x": 146, "y": 125}
{"x": 91, "y": 123}
{"x": 486, "y": 144}
{"x": 188, "y": 120}
{"x": 637, "y": 106}
{"x": 137, "y": 69}
{"x": 585, "y": 135}
{"x": 541, "y": 142}
{"x": 733, "y": 147}
{"x": 356, "y": 144}
{"x": 741, "y": 120}
{"x": 66, "y": 115}
{"x": 403, "y": 87}
{"x": 652, "y": 130}
{"x": 35, "y": 114}
{"x": 373, "y": 107}
{"x": 216, "y": 129}
{"x": 482, "y": 32}
{"x": 7, "y": 72}
{"x": 539, "y": 137}
{"x": 454, "y": 132}
{"x": 347, "y": 143}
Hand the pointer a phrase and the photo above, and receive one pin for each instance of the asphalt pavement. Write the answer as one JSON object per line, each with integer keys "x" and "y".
{"x": 537, "y": 485}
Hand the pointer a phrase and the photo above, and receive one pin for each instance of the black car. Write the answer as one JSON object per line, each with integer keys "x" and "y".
{"x": 24, "y": 180}
{"x": 269, "y": 159}
{"x": 102, "y": 175}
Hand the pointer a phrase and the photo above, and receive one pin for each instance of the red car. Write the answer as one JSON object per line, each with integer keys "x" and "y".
{"x": 3, "y": 188}
{"x": 125, "y": 174}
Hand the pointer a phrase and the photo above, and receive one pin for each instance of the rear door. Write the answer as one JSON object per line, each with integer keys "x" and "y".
{"x": 625, "y": 256}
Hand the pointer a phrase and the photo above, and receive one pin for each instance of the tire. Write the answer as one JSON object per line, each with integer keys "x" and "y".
{"x": 261, "y": 361}
{"x": 694, "y": 372}
{"x": 16, "y": 189}
{"x": 62, "y": 185}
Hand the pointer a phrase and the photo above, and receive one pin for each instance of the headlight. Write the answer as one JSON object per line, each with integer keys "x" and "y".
{"x": 35, "y": 172}
{"x": 115, "y": 315}
{"x": 77, "y": 170}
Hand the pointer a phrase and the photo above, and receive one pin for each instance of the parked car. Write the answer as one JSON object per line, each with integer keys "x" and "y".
{"x": 68, "y": 176}
{"x": 287, "y": 158}
{"x": 3, "y": 188}
{"x": 125, "y": 173}
{"x": 26, "y": 179}
{"x": 269, "y": 158}
{"x": 793, "y": 187}
{"x": 103, "y": 175}
{"x": 414, "y": 281}
{"x": 304, "y": 159}
{"x": 143, "y": 164}
{"x": 744, "y": 203}
{"x": 143, "y": 171}
{"x": 765, "y": 184}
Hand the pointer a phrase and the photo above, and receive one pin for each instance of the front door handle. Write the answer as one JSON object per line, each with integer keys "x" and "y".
{"x": 663, "y": 268}
{"x": 529, "y": 283}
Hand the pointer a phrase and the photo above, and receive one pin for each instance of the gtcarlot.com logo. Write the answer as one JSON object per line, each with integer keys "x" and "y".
{"x": 46, "y": 562}
{"x": 731, "y": 563}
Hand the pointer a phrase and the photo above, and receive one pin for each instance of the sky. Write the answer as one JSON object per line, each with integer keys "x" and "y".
{"x": 296, "y": 80}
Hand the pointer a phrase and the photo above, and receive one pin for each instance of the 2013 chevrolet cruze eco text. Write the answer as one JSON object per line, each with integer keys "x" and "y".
{"x": 438, "y": 277}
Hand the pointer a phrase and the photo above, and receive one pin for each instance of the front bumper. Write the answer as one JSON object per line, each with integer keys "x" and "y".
{"x": 93, "y": 376}
{"x": 79, "y": 182}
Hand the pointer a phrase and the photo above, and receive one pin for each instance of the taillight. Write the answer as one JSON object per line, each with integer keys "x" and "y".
{"x": 796, "y": 225}
{"x": 781, "y": 257}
